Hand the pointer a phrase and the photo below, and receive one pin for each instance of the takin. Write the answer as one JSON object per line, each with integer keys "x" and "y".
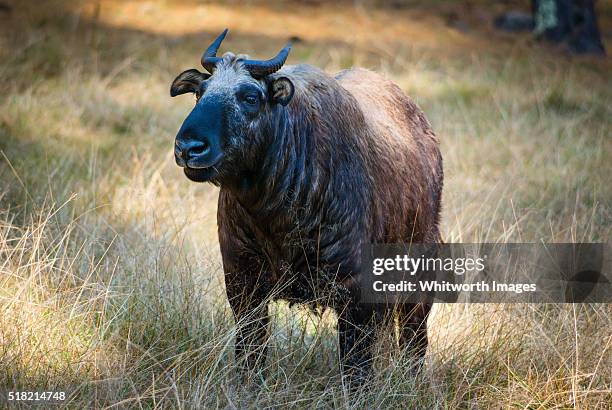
{"x": 311, "y": 167}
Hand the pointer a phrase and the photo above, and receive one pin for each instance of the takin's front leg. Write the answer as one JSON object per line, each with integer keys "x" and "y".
{"x": 357, "y": 328}
{"x": 249, "y": 305}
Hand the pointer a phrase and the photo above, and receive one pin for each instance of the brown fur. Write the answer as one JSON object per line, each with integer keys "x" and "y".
{"x": 406, "y": 142}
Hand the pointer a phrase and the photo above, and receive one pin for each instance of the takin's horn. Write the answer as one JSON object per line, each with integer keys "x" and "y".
{"x": 261, "y": 68}
{"x": 209, "y": 58}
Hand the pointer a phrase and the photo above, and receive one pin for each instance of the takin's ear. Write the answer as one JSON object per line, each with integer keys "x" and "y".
{"x": 281, "y": 90}
{"x": 187, "y": 82}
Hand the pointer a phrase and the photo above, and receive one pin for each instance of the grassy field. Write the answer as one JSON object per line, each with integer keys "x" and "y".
{"x": 110, "y": 275}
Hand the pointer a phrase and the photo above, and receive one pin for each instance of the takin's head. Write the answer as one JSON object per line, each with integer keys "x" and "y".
{"x": 232, "y": 110}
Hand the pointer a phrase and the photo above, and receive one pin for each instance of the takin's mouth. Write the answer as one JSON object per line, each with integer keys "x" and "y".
{"x": 201, "y": 174}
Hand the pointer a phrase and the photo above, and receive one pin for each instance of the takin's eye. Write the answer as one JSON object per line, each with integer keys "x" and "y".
{"x": 250, "y": 99}
{"x": 249, "y": 96}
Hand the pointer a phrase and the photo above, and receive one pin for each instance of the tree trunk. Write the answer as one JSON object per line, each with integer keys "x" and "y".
{"x": 570, "y": 21}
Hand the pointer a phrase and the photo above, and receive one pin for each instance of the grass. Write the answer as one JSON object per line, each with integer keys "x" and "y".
{"x": 110, "y": 275}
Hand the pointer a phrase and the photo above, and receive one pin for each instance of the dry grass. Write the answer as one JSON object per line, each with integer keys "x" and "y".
{"x": 110, "y": 278}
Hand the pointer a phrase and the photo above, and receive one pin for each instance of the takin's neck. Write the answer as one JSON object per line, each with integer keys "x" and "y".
{"x": 313, "y": 143}
{"x": 286, "y": 176}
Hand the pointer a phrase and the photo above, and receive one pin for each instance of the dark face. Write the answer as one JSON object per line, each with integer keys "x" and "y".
{"x": 228, "y": 117}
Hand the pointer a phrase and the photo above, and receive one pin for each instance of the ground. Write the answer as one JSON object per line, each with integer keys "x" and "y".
{"x": 110, "y": 276}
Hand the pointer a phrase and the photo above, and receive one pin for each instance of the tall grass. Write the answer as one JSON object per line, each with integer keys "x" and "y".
{"x": 110, "y": 275}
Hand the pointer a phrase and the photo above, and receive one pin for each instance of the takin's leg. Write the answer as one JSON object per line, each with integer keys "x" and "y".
{"x": 357, "y": 328}
{"x": 248, "y": 301}
{"x": 412, "y": 319}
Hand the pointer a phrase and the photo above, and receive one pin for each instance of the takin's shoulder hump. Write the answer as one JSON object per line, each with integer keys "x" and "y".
{"x": 385, "y": 105}
{"x": 368, "y": 85}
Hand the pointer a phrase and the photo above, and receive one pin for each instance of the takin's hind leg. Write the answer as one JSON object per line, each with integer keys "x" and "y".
{"x": 412, "y": 319}
{"x": 357, "y": 330}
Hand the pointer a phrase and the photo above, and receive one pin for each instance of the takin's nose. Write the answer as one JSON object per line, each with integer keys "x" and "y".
{"x": 192, "y": 153}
